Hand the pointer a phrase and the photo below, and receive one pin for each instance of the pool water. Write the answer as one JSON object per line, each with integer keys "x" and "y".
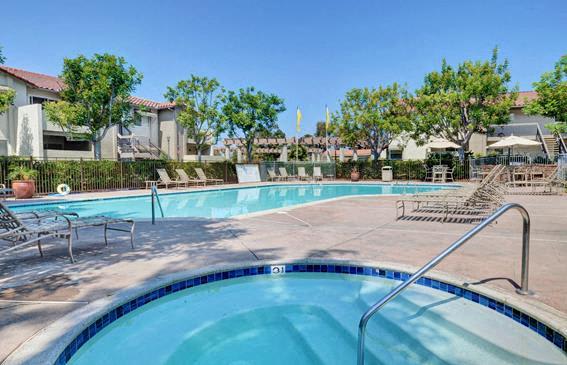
{"x": 225, "y": 203}
{"x": 301, "y": 318}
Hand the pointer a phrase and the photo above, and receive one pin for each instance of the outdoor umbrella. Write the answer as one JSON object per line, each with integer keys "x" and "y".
{"x": 441, "y": 144}
{"x": 514, "y": 141}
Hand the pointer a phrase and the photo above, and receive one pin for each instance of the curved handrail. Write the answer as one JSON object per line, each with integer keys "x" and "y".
{"x": 523, "y": 290}
{"x": 154, "y": 192}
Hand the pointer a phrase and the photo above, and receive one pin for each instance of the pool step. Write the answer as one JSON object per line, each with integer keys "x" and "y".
{"x": 436, "y": 330}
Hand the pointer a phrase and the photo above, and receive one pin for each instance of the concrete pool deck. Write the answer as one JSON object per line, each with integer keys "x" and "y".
{"x": 36, "y": 291}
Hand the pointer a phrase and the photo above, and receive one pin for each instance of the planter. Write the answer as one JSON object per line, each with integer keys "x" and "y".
{"x": 354, "y": 175}
{"x": 23, "y": 189}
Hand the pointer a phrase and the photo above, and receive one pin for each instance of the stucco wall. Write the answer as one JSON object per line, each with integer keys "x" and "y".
{"x": 29, "y": 134}
{"x": 168, "y": 130}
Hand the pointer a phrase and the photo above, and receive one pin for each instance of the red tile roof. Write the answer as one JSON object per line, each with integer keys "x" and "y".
{"x": 349, "y": 153}
{"x": 55, "y": 84}
{"x": 40, "y": 81}
{"x": 134, "y": 100}
{"x": 524, "y": 97}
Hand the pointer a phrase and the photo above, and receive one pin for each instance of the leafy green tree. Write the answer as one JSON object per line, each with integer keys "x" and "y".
{"x": 374, "y": 117}
{"x": 298, "y": 153}
{"x": 275, "y": 133}
{"x": 7, "y": 95}
{"x": 95, "y": 97}
{"x": 320, "y": 129}
{"x": 200, "y": 99}
{"x": 552, "y": 97}
{"x": 251, "y": 113}
{"x": 456, "y": 102}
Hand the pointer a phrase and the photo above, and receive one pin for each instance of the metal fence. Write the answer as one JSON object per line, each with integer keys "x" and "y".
{"x": 99, "y": 175}
{"x": 328, "y": 169}
{"x": 511, "y": 160}
{"x": 562, "y": 166}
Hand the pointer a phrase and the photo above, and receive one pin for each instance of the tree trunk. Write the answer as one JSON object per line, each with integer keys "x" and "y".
{"x": 199, "y": 153}
{"x": 249, "y": 152}
{"x": 97, "y": 148}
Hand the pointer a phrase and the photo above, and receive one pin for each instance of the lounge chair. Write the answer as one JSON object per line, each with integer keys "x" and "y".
{"x": 547, "y": 184}
{"x": 183, "y": 177}
{"x": 164, "y": 180}
{"x": 470, "y": 201}
{"x": 317, "y": 175}
{"x": 302, "y": 175}
{"x": 202, "y": 177}
{"x": 428, "y": 173}
{"x": 284, "y": 174}
{"x": 23, "y": 232}
{"x": 272, "y": 176}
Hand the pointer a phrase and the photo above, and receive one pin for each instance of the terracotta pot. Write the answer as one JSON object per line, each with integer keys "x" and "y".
{"x": 23, "y": 189}
{"x": 354, "y": 175}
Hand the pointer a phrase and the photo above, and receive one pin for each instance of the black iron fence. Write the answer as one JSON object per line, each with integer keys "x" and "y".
{"x": 99, "y": 175}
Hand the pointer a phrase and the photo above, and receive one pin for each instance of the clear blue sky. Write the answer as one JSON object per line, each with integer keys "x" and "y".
{"x": 308, "y": 52}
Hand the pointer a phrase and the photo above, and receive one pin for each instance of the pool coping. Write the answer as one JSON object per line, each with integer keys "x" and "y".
{"x": 48, "y": 344}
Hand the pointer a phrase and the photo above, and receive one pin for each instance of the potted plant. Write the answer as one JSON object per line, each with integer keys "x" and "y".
{"x": 23, "y": 183}
{"x": 354, "y": 174}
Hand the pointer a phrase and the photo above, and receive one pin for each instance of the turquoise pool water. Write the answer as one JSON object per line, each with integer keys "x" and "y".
{"x": 301, "y": 318}
{"x": 225, "y": 203}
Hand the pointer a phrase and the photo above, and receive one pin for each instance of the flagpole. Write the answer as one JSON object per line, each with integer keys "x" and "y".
{"x": 326, "y": 131}
{"x": 297, "y": 126}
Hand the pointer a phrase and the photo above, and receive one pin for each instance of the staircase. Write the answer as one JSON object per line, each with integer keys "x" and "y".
{"x": 131, "y": 147}
{"x": 552, "y": 146}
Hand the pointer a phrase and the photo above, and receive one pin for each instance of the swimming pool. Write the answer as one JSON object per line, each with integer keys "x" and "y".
{"x": 310, "y": 316}
{"x": 224, "y": 203}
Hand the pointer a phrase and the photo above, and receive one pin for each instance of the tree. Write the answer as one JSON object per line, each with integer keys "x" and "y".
{"x": 200, "y": 99}
{"x": 373, "y": 117}
{"x": 95, "y": 97}
{"x": 298, "y": 153}
{"x": 251, "y": 113}
{"x": 7, "y": 95}
{"x": 552, "y": 97}
{"x": 2, "y": 57}
{"x": 455, "y": 103}
{"x": 320, "y": 129}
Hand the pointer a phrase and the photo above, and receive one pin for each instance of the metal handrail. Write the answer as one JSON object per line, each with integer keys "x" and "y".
{"x": 155, "y": 196}
{"x": 523, "y": 290}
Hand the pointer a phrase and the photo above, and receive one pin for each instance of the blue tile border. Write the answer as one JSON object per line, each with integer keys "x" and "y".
{"x": 89, "y": 332}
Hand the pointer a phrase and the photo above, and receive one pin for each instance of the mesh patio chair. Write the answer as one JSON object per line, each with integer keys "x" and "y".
{"x": 24, "y": 232}
{"x": 202, "y": 177}
{"x": 184, "y": 178}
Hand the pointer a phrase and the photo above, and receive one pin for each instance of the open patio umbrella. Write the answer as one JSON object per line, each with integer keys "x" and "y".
{"x": 441, "y": 144}
{"x": 514, "y": 141}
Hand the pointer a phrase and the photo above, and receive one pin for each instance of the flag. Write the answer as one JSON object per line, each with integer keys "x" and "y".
{"x": 298, "y": 126}
{"x": 327, "y": 118}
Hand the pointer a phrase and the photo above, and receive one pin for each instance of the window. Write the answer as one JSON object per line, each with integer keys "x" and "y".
{"x": 39, "y": 100}
{"x": 396, "y": 154}
{"x": 3, "y": 147}
{"x": 51, "y": 142}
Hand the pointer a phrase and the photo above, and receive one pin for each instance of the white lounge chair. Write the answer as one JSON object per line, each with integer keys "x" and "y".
{"x": 164, "y": 180}
{"x": 317, "y": 175}
{"x": 284, "y": 174}
{"x": 202, "y": 177}
{"x": 272, "y": 176}
{"x": 302, "y": 175}
{"x": 183, "y": 177}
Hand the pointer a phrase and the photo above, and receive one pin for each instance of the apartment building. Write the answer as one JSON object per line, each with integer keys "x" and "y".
{"x": 26, "y": 131}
